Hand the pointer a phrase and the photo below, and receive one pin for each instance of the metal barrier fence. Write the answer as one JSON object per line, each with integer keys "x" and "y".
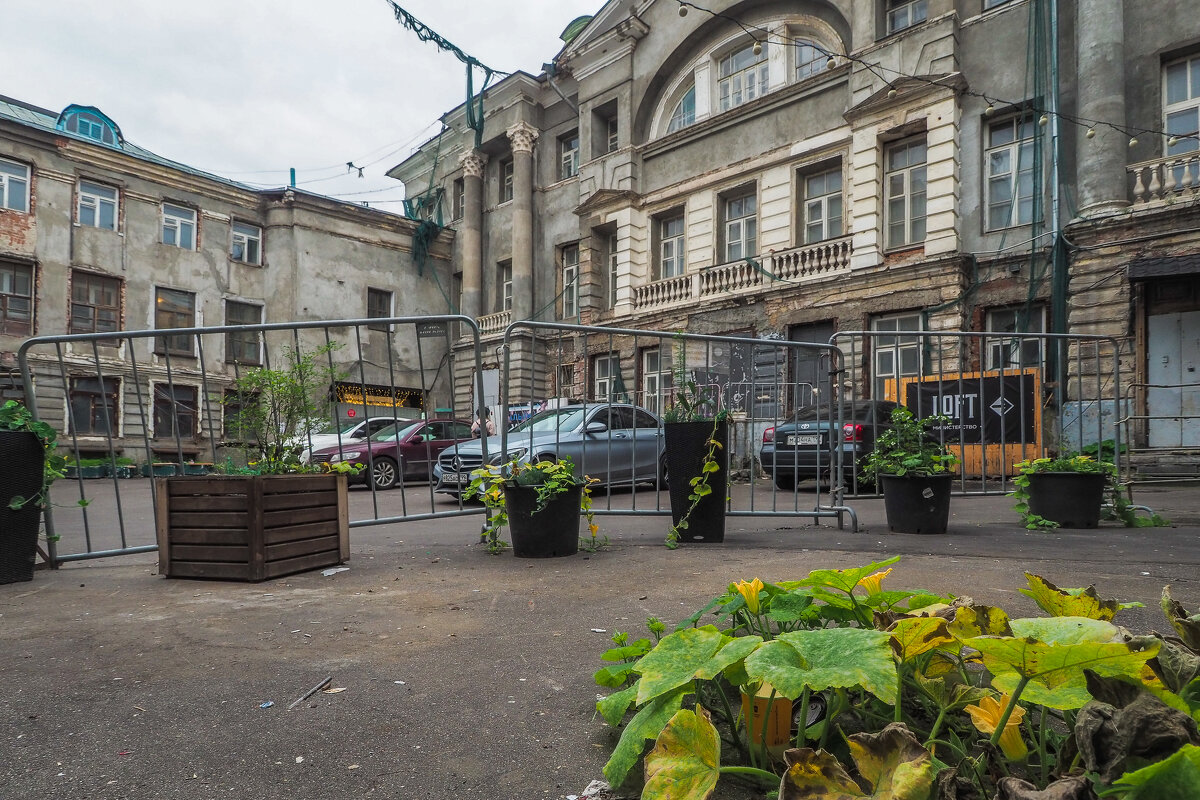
{"x": 153, "y": 403}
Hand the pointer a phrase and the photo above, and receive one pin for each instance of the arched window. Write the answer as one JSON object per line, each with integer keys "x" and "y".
{"x": 810, "y": 59}
{"x": 742, "y": 76}
{"x": 685, "y": 111}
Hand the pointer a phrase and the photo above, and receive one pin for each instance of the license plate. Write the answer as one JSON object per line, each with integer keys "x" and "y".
{"x": 456, "y": 477}
{"x": 800, "y": 440}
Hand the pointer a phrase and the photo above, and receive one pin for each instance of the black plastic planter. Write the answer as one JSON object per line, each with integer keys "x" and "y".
{"x": 1072, "y": 499}
{"x": 553, "y": 531}
{"x": 917, "y": 504}
{"x": 21, "y": 474}
{"x": 684, "y": 452}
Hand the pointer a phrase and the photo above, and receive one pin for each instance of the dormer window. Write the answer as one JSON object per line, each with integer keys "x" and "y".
{"x": 742, "y": 76}
{"x": 90, "y": 123}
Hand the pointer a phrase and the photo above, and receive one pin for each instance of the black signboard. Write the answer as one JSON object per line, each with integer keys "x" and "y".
{"x": 982, "y": 410}
{"x": 432, "y": 329}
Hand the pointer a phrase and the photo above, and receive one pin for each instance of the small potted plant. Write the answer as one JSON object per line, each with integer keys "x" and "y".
{"x": 1064, "y": 492}
{"x": 912, "y": 467}
{"x": 540, "y": 503}
{"x": 28, "y": 468}
{"x": 696, "y": 433}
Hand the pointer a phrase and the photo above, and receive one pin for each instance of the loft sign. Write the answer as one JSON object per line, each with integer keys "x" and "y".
{"x": 983, "y": 409}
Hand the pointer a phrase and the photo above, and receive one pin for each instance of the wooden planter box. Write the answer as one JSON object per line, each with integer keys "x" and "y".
{"x": 251, "y": 528}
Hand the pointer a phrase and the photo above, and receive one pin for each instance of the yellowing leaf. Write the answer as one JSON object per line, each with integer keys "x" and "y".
{"x": 816, "y": 775}
{"x": 686, "y": 759}
{"x": 912, "y": 637}
{"x": 895, "y": 763}
{"x": 972, "y": 621}
{"x": 1069, "y": 602}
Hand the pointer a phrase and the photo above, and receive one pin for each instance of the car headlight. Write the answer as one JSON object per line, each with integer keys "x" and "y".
{"x": 350, "y": 455}
{"x": 513, "y": 455}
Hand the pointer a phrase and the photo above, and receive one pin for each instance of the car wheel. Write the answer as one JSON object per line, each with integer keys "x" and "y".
{"x": 662, "y": 483}
{"x": 785, "y": 482}
{"x": 384, "y": 473}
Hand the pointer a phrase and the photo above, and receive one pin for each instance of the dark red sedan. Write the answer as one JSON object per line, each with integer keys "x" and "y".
{"x": 398, "y": 452}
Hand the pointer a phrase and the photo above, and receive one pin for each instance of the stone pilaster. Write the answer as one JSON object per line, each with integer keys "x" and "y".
{"x": 1100, "y": 65}
{"x": 471, "y": 235}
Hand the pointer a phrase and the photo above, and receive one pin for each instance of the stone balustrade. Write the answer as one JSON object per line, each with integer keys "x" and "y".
{"x": 1165, "y": 180}
{"x": 494, "y": 323}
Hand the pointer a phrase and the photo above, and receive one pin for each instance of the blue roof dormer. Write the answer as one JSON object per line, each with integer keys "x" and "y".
{"x": 90, "y": 123}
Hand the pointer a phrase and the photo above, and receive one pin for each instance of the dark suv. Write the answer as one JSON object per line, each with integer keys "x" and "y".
{"x": 804, "y": 447}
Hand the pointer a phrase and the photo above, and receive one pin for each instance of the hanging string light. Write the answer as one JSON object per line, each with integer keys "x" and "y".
{"x": 757, "y": 49}
{"x": 683, "y": 10}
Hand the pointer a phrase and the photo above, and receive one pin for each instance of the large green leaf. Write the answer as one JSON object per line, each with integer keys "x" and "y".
{"x": 647, "y": 723}
{"x": 729, "y": 655}
{"x": 844, "y": 579}
{"x": 827, "y": 658}
{"x": 1065, "y": 630}
{"x": 675, "y": 659}
{"x": 613, "y": 707}
{"x": 1071, "y": 602}
{"x": 912, "y": 637}
{"x": 685, "y": 762}
{"x": 893, "y": 761}
{"x": 1055, "y": 670}
{"x": 1174, "y": 778}
{"x": 790, "y": 606}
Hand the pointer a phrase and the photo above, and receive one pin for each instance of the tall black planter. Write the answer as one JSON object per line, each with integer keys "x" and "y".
{"x": 684, "y": 452}
{"x": 1072, "y": 499}
{"x": 553, "y": 531}
{"x": 20, "y": 476}
{"x": 917, "y": 505}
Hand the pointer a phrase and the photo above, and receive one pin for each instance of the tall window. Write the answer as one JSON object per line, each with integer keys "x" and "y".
{"x": 233, "y": 426}
{"x": 1181, "y": 110}
{"x": 742, "y": 76}
{"x": 564, "y": 379}
{"x": 895, "y": 356}
{"x": 568, "y": 155}
{"x": 611, "y": 138}
{"x": 506, "y": 290}
{"x": 243, "y": 346}
{"x": 458, "y": 198}
{"x": 905, "y": 193}
{"x": 93, "y": 404}
{"x": 97, "y": 206}
{"x": 903, "y": 14}
{"x": 506, "y": 180}
{"x": 672, "y": 247}
{"x": 247, "y": 243}
{"x": 570, "y": 281}
{"x": 1015, "y": 353}
{"x": 606, "y": 376}
{"x": 175, "y": 411}
{"x": 685, "y": 111}
{"x": 741, "y": 227}
{"x": 95, "y": 304}
{"x": 16, "y": 299}
{"x": 14, "y": 185}
{"x": 823, "y": 205}
{"x": 611, "y": 254}
{"x": 810, "y": 59}
{"x": 379, "y": 305}
{"x": 174, "y": 309}
{"x": 179, "y": 226}
{"x": 1010, "y": 173}
{"x": 656, "y": 379}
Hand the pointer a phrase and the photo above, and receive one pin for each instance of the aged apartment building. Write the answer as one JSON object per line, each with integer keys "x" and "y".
{"x": 790, "y": 170}
{"x": 99, "y": 235}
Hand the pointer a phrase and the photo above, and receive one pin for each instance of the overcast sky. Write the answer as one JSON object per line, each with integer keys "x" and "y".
{"x": 249, "y": 88}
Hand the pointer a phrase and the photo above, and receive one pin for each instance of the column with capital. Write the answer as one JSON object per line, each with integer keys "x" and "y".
{"x": 522, "y": 136}
{"x": 471, "y": 234}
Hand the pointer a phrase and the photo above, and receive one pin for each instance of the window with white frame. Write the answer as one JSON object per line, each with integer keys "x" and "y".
{"x": 895, "y": 354}
{"x": 611, "y": 254}
{"x": 458, "y": 198}
{"x": 243, "y": 347}
{"x": 742, "y": 76}
{"x": 16, "y": 299}
{"x": 568, "y": 155}
{"x": 247, "y": 243}
{"x": 656, "y": 379}
{"x": 684, "y": 113}
{"x": 606, "y": 376}
{"x": 611, "y": 138}
{"x": 1015, "y": 353}
{"x": 1181, "y": 109}
{"x": 506, "y": 290}
{"x": 14, "y": 185}
{"x": 97, "y": 206}
{"x": 506, "y": 180}
{"x": 741, "y": 226}
{"x": 903, "y": 14}
{"x": 570, "y": 281}
{"x": 810, "y": 59}
{"x": 1010, "y": 173}
{"x": 905, "y": 186}
{"x": 822, "y": 205}
{"x": 672, "y": 246}
{"x": 179, "y": 226}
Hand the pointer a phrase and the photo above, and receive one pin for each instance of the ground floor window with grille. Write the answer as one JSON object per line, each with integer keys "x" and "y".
{"x": 656, "y": 379}
{"x": 175, "y": 411}
{"x": 565, "y": 379}
{"x": 93, "y": 404}
{"x": 606, "y": 377}
{"x": 234, "y": 429}
{"x": 1015, "y": 353}
{"x": 895, "y": 357}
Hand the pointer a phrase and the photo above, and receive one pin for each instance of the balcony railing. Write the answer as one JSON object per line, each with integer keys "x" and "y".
{"x": 494, "y": 323}
{"x": 1165, "y": 180}
{"x": 809, "y": 262}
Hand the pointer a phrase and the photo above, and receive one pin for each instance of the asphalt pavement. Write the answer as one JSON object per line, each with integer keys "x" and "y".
{"x": 465, "y": 675}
